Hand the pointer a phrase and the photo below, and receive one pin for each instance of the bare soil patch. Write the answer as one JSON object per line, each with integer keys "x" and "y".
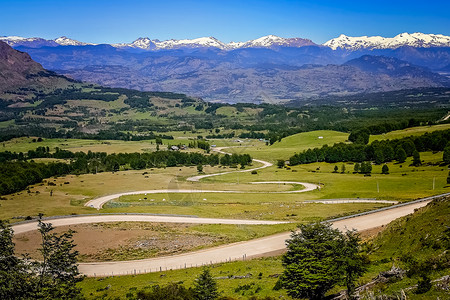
{"x": 124, "y": 241}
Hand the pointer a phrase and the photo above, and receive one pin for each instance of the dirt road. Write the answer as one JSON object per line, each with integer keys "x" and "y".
{"x": 99, "y": 202}
{"x": 235, "y": 251}
{"x": 238, "y": 251}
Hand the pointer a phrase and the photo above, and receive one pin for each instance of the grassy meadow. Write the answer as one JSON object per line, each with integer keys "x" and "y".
{"x": 67, "y": 195}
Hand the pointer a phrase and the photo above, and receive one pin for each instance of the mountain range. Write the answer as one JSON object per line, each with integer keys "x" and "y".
{"x": 268, "y": 69}
{"x": 271, "y": 41}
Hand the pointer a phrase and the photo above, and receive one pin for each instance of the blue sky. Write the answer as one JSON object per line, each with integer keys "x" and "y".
{"x": 112, "y": 21}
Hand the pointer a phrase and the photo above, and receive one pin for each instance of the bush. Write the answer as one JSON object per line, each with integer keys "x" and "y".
{"x": 424, "y": 285}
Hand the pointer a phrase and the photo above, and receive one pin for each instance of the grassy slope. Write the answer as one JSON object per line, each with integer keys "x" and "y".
{"x": 398, "y": 134}
{"x": 420, "y": 236}
{"x": 286, "y": 147}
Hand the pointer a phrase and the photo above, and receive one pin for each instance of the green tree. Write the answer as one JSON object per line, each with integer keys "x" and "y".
{"x": 310, "y": 268}
{"x": 356, "y": 168}
{"x": 205, "y": 287}
{"x": 318, "y": 258}
{"x": 199, "y": 168}
{"x": 280, "y": 163}
{"x": 448, "y": 178}
{"x": 379, "y": 156}
{"x": 385, "y": 169}
{"x": 416, "y": 158}
{"x": 55, "y": 277}
{"x": 351, "y": 261}
{"x": 359, "y": 137}
{"x": 366, "y": 167}
{"x": 15, "y": 280}
{"x": 343, "y": 168}
{"x": 400, "y": 155}
{"x": 446, "y": 154}
{"x": 58, "y": 272}
{"x": 335, "y": 169}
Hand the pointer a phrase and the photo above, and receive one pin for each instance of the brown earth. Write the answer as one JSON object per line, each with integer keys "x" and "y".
{"x": 123, "y": 241}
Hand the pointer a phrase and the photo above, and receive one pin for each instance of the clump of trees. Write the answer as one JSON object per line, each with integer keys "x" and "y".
{"x": 320, "y": 257}
{"x": 55, "y": 277}
{"x": 378, "y": 151}
{"x": 16, "y": 173}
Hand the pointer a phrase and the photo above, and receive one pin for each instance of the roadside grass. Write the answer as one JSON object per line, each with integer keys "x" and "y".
{"x": 262, "y": 275}
{"x": 240, "y": 206}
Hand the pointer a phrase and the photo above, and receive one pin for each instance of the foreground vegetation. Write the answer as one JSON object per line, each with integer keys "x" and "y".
{"x": 416, "y": 243}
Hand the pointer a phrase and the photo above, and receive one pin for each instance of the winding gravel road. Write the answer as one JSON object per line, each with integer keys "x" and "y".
{"x": 99, "y": 202}
{"x": 238, "y": 251}
{"x": 234, "y": 251}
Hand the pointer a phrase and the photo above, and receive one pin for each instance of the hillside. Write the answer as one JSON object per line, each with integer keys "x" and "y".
{"x": 418, "y": 243}
{"x": 18, "y": 70}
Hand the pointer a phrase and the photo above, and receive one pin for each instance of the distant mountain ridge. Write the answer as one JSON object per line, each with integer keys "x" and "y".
{"x": 270, "y": 68}
{"x": 417, "y": 40}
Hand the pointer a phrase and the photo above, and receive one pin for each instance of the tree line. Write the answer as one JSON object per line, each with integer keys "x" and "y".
{"x": 55, "y": 277}
{"x": 16, "y": 173}
{"x": 378, "y": 151}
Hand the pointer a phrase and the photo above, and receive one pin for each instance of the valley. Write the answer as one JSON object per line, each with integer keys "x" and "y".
{"x": 169, "y": 158}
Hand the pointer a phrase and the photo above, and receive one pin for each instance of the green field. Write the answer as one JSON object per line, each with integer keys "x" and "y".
{"x": 413, "y": 131}
{"x": 285, "y": 148}
{"x": 260, "y": 286}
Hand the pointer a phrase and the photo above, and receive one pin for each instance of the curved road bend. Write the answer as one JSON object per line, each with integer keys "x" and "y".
{"x": 238, "y": 251}
{"x": 99, "y": 202}
{"x": 235, "y": 251}
{"x": 219, "y": 149}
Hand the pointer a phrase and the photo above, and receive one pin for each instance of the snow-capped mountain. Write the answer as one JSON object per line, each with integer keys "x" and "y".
{"x": 65, "y": 41}
{"x": 36, "y": 42}
{"x": 270, "y": 41}
{"x": 211, "y": 42}
{"x": 377, "y": 42}
{"x": 417, "y": 40}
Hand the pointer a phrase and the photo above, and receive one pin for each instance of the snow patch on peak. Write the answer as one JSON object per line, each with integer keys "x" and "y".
{"x": 276, "y": 41}
{"x": 203, "y": 42}
{"x": 416, "y": 39}
{"x": 65, "y": 41}
{"x": 28, "y": 42}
